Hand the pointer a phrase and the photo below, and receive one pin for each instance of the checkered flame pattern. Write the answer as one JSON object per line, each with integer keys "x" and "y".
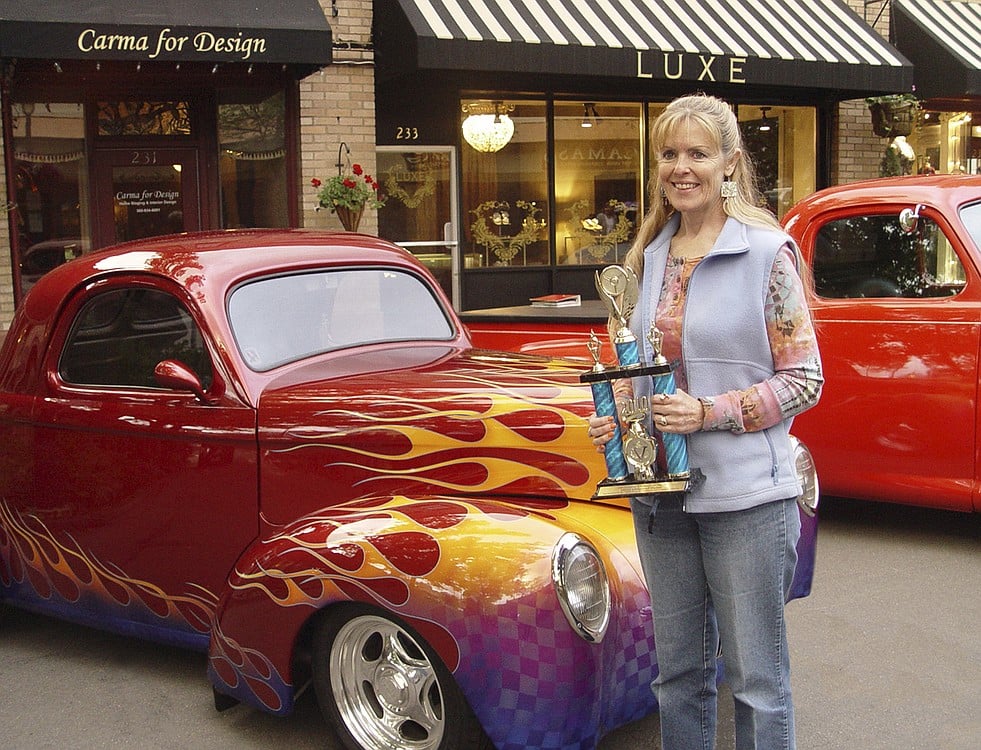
{"x": 473, "y": 578}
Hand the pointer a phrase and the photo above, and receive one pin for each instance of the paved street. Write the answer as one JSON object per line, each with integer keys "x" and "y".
{"x": 886, "y": 657}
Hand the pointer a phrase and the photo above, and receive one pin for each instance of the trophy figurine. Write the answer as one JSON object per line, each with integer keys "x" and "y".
{"x": 619, "y": 289}
{"x": 639, "y": 448}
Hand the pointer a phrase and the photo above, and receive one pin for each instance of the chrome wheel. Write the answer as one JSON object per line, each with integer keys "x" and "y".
{"x": 384, "y": 687}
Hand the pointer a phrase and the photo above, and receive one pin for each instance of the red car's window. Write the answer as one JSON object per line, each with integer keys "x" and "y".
{"x": 971, "y": 216}
{"x": 871, "y": 256}
{"x": 121, "y": 335}
{"x": 285, "y": 318}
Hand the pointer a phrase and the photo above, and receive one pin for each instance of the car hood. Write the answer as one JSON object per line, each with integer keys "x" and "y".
{"x": 422, "y": 421}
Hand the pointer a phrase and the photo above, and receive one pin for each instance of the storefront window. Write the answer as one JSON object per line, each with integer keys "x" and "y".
{"x": 252, "y": 161}
{"x": 598, "y": 172}
{"x": 962, "y": 155}
{"x": 973, "y": 149}
{"x": 141, "y": 118}
{"x": 946, "y": 142}
{"x": 782, "y": 142}
{"x": 926, "y": 143}
{"x": 505, "y": 192}
{"x": 51, "y": 186}
{"x": 418, "y": 212}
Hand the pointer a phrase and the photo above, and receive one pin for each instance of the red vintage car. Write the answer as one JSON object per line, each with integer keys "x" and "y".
{"x": 280, "y": 448}
{"x": 896, "y": 266}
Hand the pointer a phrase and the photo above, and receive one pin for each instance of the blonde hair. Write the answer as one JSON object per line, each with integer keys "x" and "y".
{"x": 719, "y": 120}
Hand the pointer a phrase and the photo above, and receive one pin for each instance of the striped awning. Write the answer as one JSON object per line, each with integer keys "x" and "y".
{"x": 941, "y": 38}
{"x": 810, "y": 43}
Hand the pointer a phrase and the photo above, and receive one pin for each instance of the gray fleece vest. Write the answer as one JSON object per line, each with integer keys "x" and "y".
{"x": 725, "y": 347}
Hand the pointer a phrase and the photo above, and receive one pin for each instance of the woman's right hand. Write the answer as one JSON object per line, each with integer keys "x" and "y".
{"x": 600, "y": 430}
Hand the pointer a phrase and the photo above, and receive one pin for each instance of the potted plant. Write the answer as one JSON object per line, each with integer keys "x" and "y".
{"x": 898, "y": 158}
{"x": 347, "y": 195}
{"x": 892, "y": 114}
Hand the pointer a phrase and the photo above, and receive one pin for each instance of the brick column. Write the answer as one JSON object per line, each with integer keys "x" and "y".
{"x": 337, "y": 104}
{"x": 6, "y": 272}
{"x": 856, "y": 150}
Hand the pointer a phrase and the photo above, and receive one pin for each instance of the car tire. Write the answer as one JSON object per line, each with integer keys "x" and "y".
{"x": 383, "y": 688}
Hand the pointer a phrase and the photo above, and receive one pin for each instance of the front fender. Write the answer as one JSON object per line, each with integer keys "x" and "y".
{"x": 473, "y": 577}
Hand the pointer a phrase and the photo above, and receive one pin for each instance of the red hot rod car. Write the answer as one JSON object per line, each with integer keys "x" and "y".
{"x": 280, "y": 448}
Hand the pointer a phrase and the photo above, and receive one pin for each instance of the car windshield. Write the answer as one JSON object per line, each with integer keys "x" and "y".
{"x": 971, "y": 216}
{"x": 284, "y": 318}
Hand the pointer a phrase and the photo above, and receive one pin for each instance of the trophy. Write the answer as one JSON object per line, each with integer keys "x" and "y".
{"x": 637, "y": 462}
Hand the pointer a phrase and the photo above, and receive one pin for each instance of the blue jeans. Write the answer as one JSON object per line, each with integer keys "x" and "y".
{"x": 721, "y": 576}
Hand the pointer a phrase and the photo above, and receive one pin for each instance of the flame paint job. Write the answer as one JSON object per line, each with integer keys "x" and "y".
{"x": 468, "y": 424}
{"x": 449, "y": 567}
{"x": 55, "y": 574}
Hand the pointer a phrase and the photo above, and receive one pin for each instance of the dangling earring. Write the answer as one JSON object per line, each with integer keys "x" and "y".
{"x": 729, "y": 189}
{"x": 664, "y": 197}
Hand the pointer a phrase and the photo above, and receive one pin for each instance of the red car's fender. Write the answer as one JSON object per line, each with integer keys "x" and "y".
{"x": 471, "y": 576}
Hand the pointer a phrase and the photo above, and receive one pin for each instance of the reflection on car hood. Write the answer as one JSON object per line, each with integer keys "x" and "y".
{"x": 429, "y": 421}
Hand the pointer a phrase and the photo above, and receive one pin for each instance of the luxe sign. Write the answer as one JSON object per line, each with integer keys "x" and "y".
{"x": 690, "y": 67}
{"x": 638, "y": 461}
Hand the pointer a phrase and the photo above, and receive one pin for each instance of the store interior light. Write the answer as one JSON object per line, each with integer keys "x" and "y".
{"x": 764, "y": 123}
{"x": 589, "y": 115}
{"x": 487, "y": 127}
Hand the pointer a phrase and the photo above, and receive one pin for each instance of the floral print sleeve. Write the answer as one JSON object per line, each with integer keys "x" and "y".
{"x": 797, "y": 380}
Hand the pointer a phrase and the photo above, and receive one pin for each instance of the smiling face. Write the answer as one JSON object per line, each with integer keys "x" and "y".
{"x": 691, "y": 168}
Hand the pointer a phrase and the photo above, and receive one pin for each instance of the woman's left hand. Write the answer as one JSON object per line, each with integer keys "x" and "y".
{"x": 677, "y": 412}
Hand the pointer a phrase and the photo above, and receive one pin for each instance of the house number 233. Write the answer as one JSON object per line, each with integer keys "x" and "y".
{"x": 406, "y": 134}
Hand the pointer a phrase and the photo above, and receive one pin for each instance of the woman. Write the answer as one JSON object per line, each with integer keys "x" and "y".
{"x": 719, "y": 279}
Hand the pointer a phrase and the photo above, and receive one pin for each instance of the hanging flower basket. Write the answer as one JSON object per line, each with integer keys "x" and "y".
{"x": 350, "y": 217}
{"x": 348, "y": 196}
{"x": 892, "y": 115}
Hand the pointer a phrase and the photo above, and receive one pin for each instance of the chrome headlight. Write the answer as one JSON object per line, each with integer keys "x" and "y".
{"x": 582, "y": 586}
{"x": 807, "y": 476}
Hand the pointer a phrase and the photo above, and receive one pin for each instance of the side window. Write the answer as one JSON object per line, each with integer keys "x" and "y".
{"x": 120, "y": 336}
{"x": 871, "y": 256}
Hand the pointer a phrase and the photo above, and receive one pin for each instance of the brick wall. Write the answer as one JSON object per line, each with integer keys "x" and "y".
{"x": 856, "y": 150}
{"x": 337, "y": 104}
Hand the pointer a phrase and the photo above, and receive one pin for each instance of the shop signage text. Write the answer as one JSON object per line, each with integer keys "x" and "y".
{"x": 165, "y": 42}
{"x": 690, "y": 67}
{"x": 601, "y": 154}
{"x": 148, "y": 201}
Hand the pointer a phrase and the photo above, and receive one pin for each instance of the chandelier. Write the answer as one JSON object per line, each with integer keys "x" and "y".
{"x": 487, "y": 127}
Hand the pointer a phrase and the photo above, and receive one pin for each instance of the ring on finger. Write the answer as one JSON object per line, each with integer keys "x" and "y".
{"x": 662, "y": 420}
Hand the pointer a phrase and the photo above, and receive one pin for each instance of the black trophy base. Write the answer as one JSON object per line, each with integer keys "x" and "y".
{"x": 631, "y": 487}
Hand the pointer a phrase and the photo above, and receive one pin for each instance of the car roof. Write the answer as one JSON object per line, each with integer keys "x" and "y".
{"x": 939, "y": 189}
{"x": 207, "y": 264}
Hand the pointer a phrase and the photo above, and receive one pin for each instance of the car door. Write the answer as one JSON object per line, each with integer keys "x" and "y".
{"x": 897, "y": 320}
{"x": 144, "y": 496}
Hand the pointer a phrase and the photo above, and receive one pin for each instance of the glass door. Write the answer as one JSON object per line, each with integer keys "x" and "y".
{"x": 144, "y": 192}
{"x": 421, "y": 207}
